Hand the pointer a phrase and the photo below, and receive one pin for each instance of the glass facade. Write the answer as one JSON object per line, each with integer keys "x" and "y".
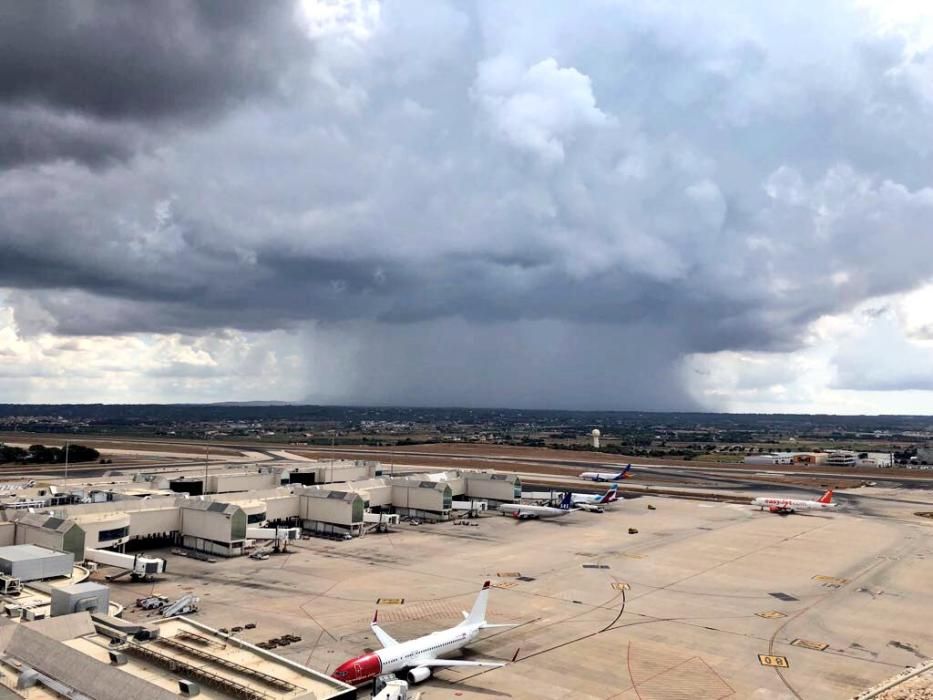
{"x": 115, "y": 534}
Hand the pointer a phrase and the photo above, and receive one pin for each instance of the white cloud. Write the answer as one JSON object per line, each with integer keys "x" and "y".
{"x": 539, "y": 108}
{"x": 148, "y": 367}
{"x": 869, "y": 360}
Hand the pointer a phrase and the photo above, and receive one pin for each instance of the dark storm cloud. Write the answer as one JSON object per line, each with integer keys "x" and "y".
{"x": 142, "y": 60}
{"x": 656, "y": 183}
{"x": 30, "y": 134}
{"x": 79, "y": 79}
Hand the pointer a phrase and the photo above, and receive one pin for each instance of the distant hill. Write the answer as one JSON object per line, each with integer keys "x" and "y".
{"x": 248, "y": 403}
{"x": 50, "y": 417}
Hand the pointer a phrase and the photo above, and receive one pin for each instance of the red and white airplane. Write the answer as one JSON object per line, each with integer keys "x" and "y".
{"x": 785, "y": 506}
{"x": 422, "y": 655}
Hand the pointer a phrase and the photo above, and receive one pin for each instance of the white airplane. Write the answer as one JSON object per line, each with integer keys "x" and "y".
{"x": 420, "y": 656}
{"x": 582, "y": 500}
{"x": 785, "y": 506}
{"x": 526, "y": 511}
{"x": 607, "y": 476}
{"x": 592, "y": 502}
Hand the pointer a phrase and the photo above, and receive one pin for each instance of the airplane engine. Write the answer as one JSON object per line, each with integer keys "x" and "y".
{"x": 418, "y": 674}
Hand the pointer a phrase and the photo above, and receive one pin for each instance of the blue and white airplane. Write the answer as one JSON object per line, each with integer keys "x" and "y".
{"x": 595, "y": 501}
{"x": 607, "y": 476}
{"x": 592, "y": 502}
{"x": 527, "y": 511}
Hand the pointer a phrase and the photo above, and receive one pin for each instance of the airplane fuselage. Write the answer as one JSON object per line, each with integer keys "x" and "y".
{"x": 790, "y": 505}
{"x": 405, "y": 655}
{"x": 607, "y": 476}
{"x": 525, "y": 511}
{"x": 593, "y": 498}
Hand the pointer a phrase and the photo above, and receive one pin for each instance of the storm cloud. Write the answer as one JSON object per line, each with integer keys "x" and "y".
{"x": 465, "y": 202}
{"x": 80, "y": 81}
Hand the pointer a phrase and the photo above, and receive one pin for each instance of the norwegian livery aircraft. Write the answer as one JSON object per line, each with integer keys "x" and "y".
{"x": 786, "y": 506}
{"x": 422, "y": 655}
{"x": 607, "y": 476}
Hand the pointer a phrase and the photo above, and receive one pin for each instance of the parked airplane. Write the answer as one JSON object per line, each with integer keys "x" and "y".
{"x": 526, "y": 511}
{"x": 586, "y": 501}
{"x": 419, "y": 656}
{"x": 607, "y": 476}
{"x": 785, "y": 506}
{"x": 595, "y": 499}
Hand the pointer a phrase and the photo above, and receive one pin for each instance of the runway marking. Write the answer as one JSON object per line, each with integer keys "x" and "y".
{"x": 808, "y": 644}
{"x": 505, "y": 584}
{"x": 633, "y": 556}
{"x": 774, "y": 661}
{"x": 508, "y": 574}
{"x": 771, "y": 614}
{"x": 390, "y": 601}
{"x": 831, "y": 581}
{"x": 620, "y": 586}
{"x": 595, "y": 566}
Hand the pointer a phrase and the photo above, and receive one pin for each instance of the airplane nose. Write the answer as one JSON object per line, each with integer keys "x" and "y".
{"x": 358, "y": 670}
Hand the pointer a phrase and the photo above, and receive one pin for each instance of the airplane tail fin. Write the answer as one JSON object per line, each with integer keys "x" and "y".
{"x": 477, "y": 615}
{"x": 827, "y": 497}
{"x": 566, "y": 502}
{"x": 610, "y": 495}
{"x": 625, "y": 472}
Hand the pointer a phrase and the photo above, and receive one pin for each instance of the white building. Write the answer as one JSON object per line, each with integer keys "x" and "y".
{"x": 876, "y": 459}
{"x": 841, "y": 458}
{"x": 801, "y": 458}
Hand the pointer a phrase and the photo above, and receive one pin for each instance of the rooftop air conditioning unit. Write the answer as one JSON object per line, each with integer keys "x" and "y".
{"x": 188, "y": 688}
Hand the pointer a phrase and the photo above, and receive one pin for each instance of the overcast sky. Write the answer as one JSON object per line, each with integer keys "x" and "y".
{"x": 588, "y": 204}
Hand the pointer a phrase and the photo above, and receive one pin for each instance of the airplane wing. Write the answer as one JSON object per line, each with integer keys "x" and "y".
{"x": 457, "y": 662}
{"x": 385, "y": 639}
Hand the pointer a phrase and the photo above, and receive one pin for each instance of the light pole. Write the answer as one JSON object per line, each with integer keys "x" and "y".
{"x": 66, "y": 464}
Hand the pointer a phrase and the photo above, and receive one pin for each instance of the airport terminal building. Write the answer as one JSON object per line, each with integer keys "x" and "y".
{"x": 150, "y": 512}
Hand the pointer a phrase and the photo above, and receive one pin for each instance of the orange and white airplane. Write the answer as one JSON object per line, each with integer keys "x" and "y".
{"x": 786, "y": 506}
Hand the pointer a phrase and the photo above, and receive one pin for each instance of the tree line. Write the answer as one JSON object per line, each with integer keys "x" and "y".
{"x": 40, "y": 454}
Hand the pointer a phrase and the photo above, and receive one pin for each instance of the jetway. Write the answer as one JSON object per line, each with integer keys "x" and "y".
{"x": 378, "y": 522}
{"x": 137, "y": 566}
{"x": 273, "y": 533}
{"x": 385, "y": 518}
{"x": 472, "y": 506}
{"x": 275, "y": 539}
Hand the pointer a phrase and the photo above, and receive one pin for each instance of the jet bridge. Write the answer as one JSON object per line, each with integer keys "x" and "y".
{"x": 134, "y": 565}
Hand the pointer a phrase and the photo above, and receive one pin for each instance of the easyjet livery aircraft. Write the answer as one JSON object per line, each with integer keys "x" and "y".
{"x": 785, "y": 506}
